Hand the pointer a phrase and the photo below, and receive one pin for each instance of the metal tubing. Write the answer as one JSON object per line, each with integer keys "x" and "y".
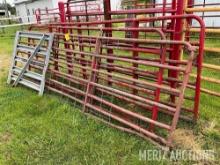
{"x": 177, "y": 36}
{"x": 135, "y": 34}
{"x": 107, "y": 16}
{"x": 63, "y": 20}
{"x": 130, "y": 83}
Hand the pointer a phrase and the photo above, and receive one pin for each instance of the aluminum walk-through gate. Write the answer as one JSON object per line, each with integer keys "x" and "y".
{"x": 31, "y": 49}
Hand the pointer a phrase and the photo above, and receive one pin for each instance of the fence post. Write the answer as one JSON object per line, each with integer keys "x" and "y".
{"x": 177, "y": 36}
{"x": 198, "y": 64}
{"x": 107, "y": 16}
{"x": 135, "y": 35}
{"x": 47, "y": 11}
{"x": 37, "y": 14}
{"x": 61, "y": 6}
{"x": 62, "y": 12}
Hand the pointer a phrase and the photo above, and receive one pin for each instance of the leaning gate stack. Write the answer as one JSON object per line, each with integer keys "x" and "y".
{"x": 138, "y": 68}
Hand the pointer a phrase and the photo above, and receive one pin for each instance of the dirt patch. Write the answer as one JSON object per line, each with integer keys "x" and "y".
{"x": 4, "y": 63}
{"x": 186, "y": 139}
{"x": 5, "y": 137}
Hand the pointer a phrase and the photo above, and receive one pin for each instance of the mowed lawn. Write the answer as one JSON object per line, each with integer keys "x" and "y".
{"x": 50, "y": 130}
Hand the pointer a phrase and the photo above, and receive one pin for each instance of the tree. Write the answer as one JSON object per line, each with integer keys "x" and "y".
{"x": 10, "y": 8}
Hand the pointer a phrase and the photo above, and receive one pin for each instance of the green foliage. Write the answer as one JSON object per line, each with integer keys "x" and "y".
{"x": 10, "y": 8}
{"x": 50, "y": 130}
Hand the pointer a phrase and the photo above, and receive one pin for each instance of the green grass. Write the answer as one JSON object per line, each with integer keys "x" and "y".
{"x": 48, "y": 130}
{"x": 51, "y": 130}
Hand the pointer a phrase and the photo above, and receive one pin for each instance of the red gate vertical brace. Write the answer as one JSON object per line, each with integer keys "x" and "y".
{"x": 81, "y": 49}
{"x": 164, "y": 12}
{"x": 93, "y": 75}
{"x": 68, "y": 13}
{"x": 175, "y": 55}
{"x": 199, "y": 70}
{"x": 55, "y": 44}
{"x": 135, "y": 35}
{"x": 66, "y": 45}
{"x": 159, "y": 82}
{"x": 172, "y": 25}
{"x": 38, "y": 15}
{"x": 107, "y": 16}
{"x": 189, "y": 21}
{"x": 181, "y": 98}
{"x": 199, "y": 61}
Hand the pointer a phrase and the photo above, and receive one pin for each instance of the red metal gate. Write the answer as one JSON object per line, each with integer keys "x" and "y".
{"x": 137, "y": 84}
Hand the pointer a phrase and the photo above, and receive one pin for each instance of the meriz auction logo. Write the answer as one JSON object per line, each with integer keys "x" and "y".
{"x": 177, "y": 155}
